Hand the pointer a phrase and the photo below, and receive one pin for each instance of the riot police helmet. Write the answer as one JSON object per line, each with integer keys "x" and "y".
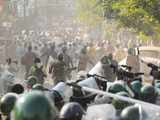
{"x": 120, "y": 104}
{"x": 148, "y": 94}
{"x": 34, "y": 105}
{"x": 17, "y": 88}
{"x": 71, "y": 111}
{"x": 7, "y": 103}
{"x": 116, "y": 87}
{"x": 38, "y": 87}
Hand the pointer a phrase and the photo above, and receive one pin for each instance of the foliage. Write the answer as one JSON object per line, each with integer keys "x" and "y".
{"x": 89, "y": 12}
{"x": 140, "y": 16}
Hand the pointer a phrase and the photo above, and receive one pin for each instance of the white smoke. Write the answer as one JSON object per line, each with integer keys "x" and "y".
{"x": 68, "y": 92}
{"x": 100, "y": 112}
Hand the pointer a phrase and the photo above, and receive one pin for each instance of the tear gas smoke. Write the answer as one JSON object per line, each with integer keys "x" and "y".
{"x": 100, "y": 112}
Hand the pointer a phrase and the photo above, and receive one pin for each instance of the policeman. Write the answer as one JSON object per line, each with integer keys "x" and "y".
{"x": 130, "y": 113}
{"x": 58, "y": 99}
{"x": 148, "y": 94}
{"x": 135, "y": 112}
{"x": 108, "y": 67}
{"x": 34, "y": 105}
{"x": 17, "y": 88}
{"x": 71, "y": 111}
{"x": 119, "y": 104}
{"x": 116, "y": 87}
{"x": 136, "y": 88}
{"x": 31, "y": 80}
{"x": 37, "y": 71}
{"x": 52, "y": 51}
{"x": 45, "y": 54}
{"x": 84, "y": 59}
{"x": 28, "y": 60}
{"x": 58, "y": 70}
{"x": 68, "y": 61}
{"x": 7, "y": 103}
{"x": 58, "y": 93}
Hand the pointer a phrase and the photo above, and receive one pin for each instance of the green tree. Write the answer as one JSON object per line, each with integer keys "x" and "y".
{"x": 140, "y": 16}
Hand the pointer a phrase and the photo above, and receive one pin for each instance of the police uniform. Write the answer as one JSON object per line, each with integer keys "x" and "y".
{"x": 83, "y": 62}
{"x": 58, "y": 70}
{"x": 69, "y": 64}
{"x": 28, "y": 60}
{"x": 35, "y": 71}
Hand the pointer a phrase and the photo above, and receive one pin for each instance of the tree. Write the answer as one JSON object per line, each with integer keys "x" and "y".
{"x": 140, "y": 16}
{"x": 89, "y": 12}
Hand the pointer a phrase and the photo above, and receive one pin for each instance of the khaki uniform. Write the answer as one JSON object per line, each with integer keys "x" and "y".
{"x": 92, "y": 52}
{"x": 108, "y": 72}
{"x": 83, "y": 61}
{"x": 28, "y": 61}
{"x": 58, "y": 71}
{"x": 69, "y": 65}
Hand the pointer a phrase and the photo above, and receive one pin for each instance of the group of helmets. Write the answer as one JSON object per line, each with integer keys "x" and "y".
{"x": 143, "y": 92}
{"x": 43, "y": 104}
{"x": 37, "y": 105}
{"x": 134, "y": 112}
{"x": 147, "y": 92}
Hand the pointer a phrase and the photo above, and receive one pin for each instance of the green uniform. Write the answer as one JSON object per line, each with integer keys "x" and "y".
{"x": 69, "y": 65}
{"x": 37, "y": 72}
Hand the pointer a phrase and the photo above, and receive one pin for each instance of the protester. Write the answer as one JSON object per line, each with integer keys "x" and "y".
{"x": 37, "y": 71}
{"x": 84, "y": 60}
{"x": 28, "y": 60}
{"x": 64, "y": 97}
{"x": 58, "y": 70}
{"x": 69, "y": 63}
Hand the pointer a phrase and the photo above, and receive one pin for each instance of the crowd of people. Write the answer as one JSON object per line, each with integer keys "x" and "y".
{"x": 78, "y": 55}
{"x": 68, "y": 67}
